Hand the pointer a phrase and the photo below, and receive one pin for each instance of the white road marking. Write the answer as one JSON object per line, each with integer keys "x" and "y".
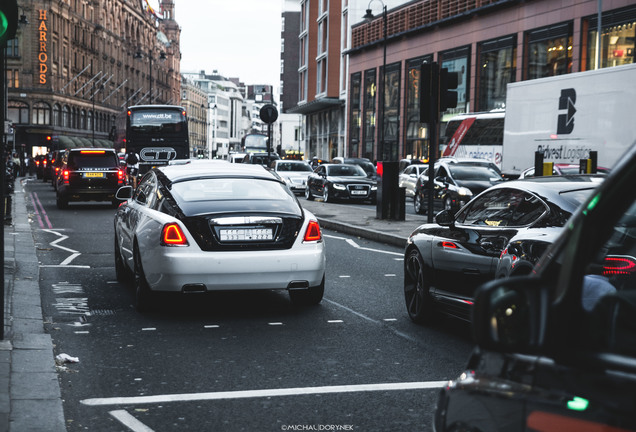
{"x": 390, "y": 275}
{"x": 357, "y": 246}
{"x": 211, "y": 326}
{"x": 149, "y": 329}
{"x": 129, "y": 421}
{"x": 344, "y": 276}
{"x": 242, "y": 394}
{"x": 275, "y": 323}
{"x": 74, "y": 253}
{"x": 389, "y": 319}
{"x": 334, "y": 321}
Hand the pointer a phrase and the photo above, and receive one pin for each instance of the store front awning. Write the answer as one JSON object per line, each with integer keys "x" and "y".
{"x": 316, "y": 105}
{"x": 67, "y": 142}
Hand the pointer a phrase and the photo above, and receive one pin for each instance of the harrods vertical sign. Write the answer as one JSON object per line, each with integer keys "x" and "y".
{"x": 43, "y": 56}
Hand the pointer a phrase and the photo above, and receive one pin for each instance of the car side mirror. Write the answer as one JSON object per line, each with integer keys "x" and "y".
{"x": 445, "y": 218}
{"x": 510, "y": 315}
{"x": 124, "y": 193}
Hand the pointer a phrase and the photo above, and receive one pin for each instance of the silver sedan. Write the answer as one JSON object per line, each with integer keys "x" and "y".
{"x": 202, "y": 227}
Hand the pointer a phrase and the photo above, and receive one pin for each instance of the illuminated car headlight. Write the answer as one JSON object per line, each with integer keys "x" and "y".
{"x": 464, "y": 191}
{"x": 374, "y": 188}
{"x": 339, "y": 186}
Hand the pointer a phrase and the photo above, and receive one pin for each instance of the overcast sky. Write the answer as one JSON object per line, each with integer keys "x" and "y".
{"x": 238, "y": 38}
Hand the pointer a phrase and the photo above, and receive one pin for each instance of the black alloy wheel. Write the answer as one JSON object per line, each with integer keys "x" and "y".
{"x": 143, "y": 295}
{"x": 309, "y": 297}
{"x": 419, "y": 303}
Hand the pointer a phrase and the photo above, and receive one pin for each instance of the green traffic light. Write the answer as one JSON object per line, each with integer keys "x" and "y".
{"x": 4, "y": 23}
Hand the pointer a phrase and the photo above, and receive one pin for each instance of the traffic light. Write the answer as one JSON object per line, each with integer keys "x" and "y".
{"x": 428, "y": 92}
{"x": 448, "y": 82}
{"x": 8, "y": 20}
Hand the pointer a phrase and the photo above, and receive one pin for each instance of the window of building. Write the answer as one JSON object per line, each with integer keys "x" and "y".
{"x": 416, "y": 146}
{"x": 66, "y": 120}
{"x": 13, "y": 78}
{"x": 18, "y": 112}
{"x": 618, "y": 38}
{"x": 57, "y": 115}
{"x": 391, "y": 111}
{"x": 370, "y": 91}
{"x": 458, "y": 60}
{"x": 41, "y": 114}
{"x": 355, "y": 114}
{"x": 497, "y": 68}
{"x": 13, "y": 48}
{"x": 548, "y": 51}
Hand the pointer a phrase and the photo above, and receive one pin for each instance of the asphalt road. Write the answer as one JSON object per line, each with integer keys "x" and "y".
{"x": 236, "y": 361}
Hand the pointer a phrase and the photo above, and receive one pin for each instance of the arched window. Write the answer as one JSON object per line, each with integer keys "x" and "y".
{"x": 57, "y": 115}
{"x": 82, "y": 124}
{"x": 18, "y": 112}
{"x": 66, "y": 121}
{"x": 41, "y": 114}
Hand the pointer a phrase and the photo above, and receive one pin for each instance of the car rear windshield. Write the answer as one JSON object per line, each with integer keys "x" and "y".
{"x": 230, "y": 189}
{"x": 92, "y": 160}
{"x": 460, "y": 172}
{"x": 289, "y": 166}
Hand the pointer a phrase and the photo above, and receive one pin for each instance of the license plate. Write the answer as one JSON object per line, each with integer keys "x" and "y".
{"x": 94, "y": 174}
{"x": 358, "y": 192}
{"x": 246, "y": 234}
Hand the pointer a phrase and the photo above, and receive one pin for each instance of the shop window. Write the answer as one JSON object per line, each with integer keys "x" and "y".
{"x": 355, "y": 114}
{"x": 617, "y": 41}
{"x": 370, "y": 92}
{"x": 458, "y": 60}
{"x": 549, "y": 51}
{"x": 391, "y": 112}
{"x": 41, "y": 114}
{"x": 18, "y": 112}
{"x": 415, "y": 143}
{"x": 497, "y": 68}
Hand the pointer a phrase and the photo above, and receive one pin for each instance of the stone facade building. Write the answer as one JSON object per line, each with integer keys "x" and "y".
{"x": 77, "y": 64}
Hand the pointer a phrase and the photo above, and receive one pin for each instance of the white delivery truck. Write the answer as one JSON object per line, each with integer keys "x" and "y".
{"x": 567, "y": 116}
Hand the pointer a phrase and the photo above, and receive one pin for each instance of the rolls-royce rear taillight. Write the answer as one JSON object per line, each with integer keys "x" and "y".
{"x": 172, "y": 235}
{"x": 313, "y": 233}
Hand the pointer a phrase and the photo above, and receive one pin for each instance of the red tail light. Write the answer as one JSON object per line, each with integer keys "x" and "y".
{"x": 449, "y": 245}
{"x": 172, "y": 235}
{"x": 619, "y": 265}
{"x": 313, "y": 232}
{"x": 120, "y": 176}
{"x": 65, "y": 175}
{"x": 44, "y": 163}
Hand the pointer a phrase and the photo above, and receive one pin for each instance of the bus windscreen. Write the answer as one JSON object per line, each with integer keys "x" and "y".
{"x": 163, "y": 121}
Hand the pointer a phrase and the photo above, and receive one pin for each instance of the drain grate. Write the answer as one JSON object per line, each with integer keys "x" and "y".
{"x": 102, "y": 312}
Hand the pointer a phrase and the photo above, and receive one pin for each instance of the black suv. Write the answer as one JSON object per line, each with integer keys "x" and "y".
{"x": 456, "y": 182}
{"x": 557, "y": 349}
{"x": 260, "y": 158}
{"x": 89, "y": 174}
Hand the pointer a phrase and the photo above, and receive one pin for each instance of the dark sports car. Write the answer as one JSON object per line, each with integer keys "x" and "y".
{"x": 447, "y": 260}
{"x": 333, "y": 182}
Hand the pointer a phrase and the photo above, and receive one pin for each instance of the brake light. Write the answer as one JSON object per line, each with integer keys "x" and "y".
{"x": 92, "y": 151}
{"x": 120, "y": 176}
{"x": 65, "y": 175}
{"x": 173, "y": 235}
{"x": 44, "y": 163}
{"x": 313, "y": 233}
{"x": 619, "y": 265}
{"x": 449, "y": 245}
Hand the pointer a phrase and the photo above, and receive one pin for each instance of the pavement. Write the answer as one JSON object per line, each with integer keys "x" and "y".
{"x": 30, "y": 396}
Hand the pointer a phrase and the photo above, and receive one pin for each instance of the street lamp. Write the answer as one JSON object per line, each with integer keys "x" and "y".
{"x": 139, "y": 55}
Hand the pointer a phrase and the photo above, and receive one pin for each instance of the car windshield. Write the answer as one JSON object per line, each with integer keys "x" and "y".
{"x": 289, "y": 166}
{"x": 346, "y": 171}
{"x": 472, "y": 172}
{"x": 230, "y": 189}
